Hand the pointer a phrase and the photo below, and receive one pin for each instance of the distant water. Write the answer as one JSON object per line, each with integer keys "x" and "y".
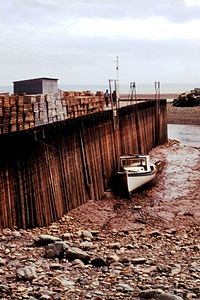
{"x": 188, "y": 135}
{"x": 123, "y": 88}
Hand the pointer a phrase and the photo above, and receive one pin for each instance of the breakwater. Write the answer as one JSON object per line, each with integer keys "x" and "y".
{"x": 49, "y": 170}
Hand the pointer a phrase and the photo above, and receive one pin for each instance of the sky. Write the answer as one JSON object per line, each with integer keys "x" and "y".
{"x": 77, "y": 41}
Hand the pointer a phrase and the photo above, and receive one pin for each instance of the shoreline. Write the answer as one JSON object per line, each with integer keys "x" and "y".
{"x": 183, "y": 115}
{"x": 175, "y": 115}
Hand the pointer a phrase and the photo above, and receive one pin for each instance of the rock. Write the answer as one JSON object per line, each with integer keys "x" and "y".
{"x": 114, "y": 246}
{"x": 155, "y": 233}
{"x": 2, "y": 272}
{"x": 86, "y": 245}
{"x": 125, "y": 261}
{"x": 98, "y": 262}
{"x": 139, "y": 260}
{"x": 167, "y": 296}
{"x": 6, "y": 232}
{"x": 62, "y": 281}
{"x": 44, "y": 240}
{"x": 172, "y": 231}
{"x": 83, "y": 281}
{"x": 5, "y": 289}
{"x": 26, "y": 273}
{"x": 149, "y": 270}
{"x": 158, "y": 294}
{"x": 85, "y": 234}
{"x": 78, "y": 263}
{"x": 195, "y": 266}
{"x": 130, "y": 246}
{"x": 73, "y": 253}
{"x": 45, "y": 297}
{"x": 188, "y": 99}
{"x": 128, "y": 272}
{"x": 163, "y": 268}
{"x": 67, "y": 236}
{"x": 16, "y": 234}
{"x": 148, "y": 294}
{"x": 191, "y": 296}
{"x": 56, "y": 249}
{"x": 176, "y": 270}
{"x": 124, "y": 287}
{"x": 99, "y": 294}
{"x": 112, "y": 259}
{"x": 117, "y": 265}
{"x": 2, "y": 262}
{"x": 56, "y": 266}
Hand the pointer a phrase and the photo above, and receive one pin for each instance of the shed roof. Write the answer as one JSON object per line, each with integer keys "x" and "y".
{"x": 46, "y": 78}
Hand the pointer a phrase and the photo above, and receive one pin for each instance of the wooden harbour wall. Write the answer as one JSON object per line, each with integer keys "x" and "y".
{"x": 51, "y": 169}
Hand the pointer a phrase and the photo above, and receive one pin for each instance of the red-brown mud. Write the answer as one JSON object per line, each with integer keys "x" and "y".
{"x": 171, "y": 200}
{"x": 152, "y": 239}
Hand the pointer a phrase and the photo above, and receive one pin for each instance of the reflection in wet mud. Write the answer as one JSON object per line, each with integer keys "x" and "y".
{"x": 179, "y": 177}
{"x": 171, "y": 200}
{"x": 188, "y": 135}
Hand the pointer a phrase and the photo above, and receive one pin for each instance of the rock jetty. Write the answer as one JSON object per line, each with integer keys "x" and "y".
{"x": 188, "y": 99}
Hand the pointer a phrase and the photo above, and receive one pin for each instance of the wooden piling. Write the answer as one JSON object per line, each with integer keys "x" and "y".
{"x": 46, "y": 173}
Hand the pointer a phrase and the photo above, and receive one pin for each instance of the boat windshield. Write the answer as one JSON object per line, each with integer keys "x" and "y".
{"x": 133, "y": 162}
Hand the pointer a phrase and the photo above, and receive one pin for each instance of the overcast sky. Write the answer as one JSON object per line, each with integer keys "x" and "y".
{"x": 78, "y": 41}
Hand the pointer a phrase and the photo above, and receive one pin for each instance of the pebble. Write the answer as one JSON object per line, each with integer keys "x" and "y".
{"x": 75, "y": 253}
{"x": 139, "y": 260}
{"x": 98, "y": 262}
{"x": 124, "y": 287}
{"x": 55, "y": 249}
{"x": 26, "y": 273}
{"x": 44, "y": 239}
{"x": 158, "y": 294}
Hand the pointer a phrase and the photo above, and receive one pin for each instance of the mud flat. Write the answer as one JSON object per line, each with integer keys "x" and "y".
{"x": 183, "y": 115}
{"x": 149, "y": 243}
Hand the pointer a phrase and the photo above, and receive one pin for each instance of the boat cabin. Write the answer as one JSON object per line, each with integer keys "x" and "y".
{"x": 134, "y": 163}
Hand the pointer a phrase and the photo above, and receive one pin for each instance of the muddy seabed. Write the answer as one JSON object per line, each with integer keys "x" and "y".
{"x": 171, "y": 200}
{"x": 150, "y": 241}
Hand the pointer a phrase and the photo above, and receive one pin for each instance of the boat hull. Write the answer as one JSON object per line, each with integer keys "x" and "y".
{"x": 134, "y": 181}
{"x": 135, "y": 171}
{"x": 131, "y": 181}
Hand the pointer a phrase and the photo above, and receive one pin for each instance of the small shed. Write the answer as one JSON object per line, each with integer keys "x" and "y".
{"x": 34, "y": 86}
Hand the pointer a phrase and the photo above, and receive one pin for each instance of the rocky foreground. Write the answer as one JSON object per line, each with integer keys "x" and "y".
{"x": 146, "y": 247}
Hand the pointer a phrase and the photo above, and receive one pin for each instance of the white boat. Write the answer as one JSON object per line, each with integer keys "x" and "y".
{"x": 136, "y": 170}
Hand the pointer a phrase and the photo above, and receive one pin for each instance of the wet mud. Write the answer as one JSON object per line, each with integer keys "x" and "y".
{"x": 171, "y": 200}
{"x": 148, "y": 242}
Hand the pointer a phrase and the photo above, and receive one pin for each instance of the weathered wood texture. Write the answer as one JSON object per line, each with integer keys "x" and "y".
{"x": 48, "y": 171}
{"x": 21, "y": 112}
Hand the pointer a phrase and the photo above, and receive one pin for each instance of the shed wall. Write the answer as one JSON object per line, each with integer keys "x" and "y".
{"x": 36, "y": 86}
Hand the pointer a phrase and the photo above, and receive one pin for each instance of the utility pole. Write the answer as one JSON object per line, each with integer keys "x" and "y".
{"x": 157, "y": 100}
{"x": 117, "y": 80}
